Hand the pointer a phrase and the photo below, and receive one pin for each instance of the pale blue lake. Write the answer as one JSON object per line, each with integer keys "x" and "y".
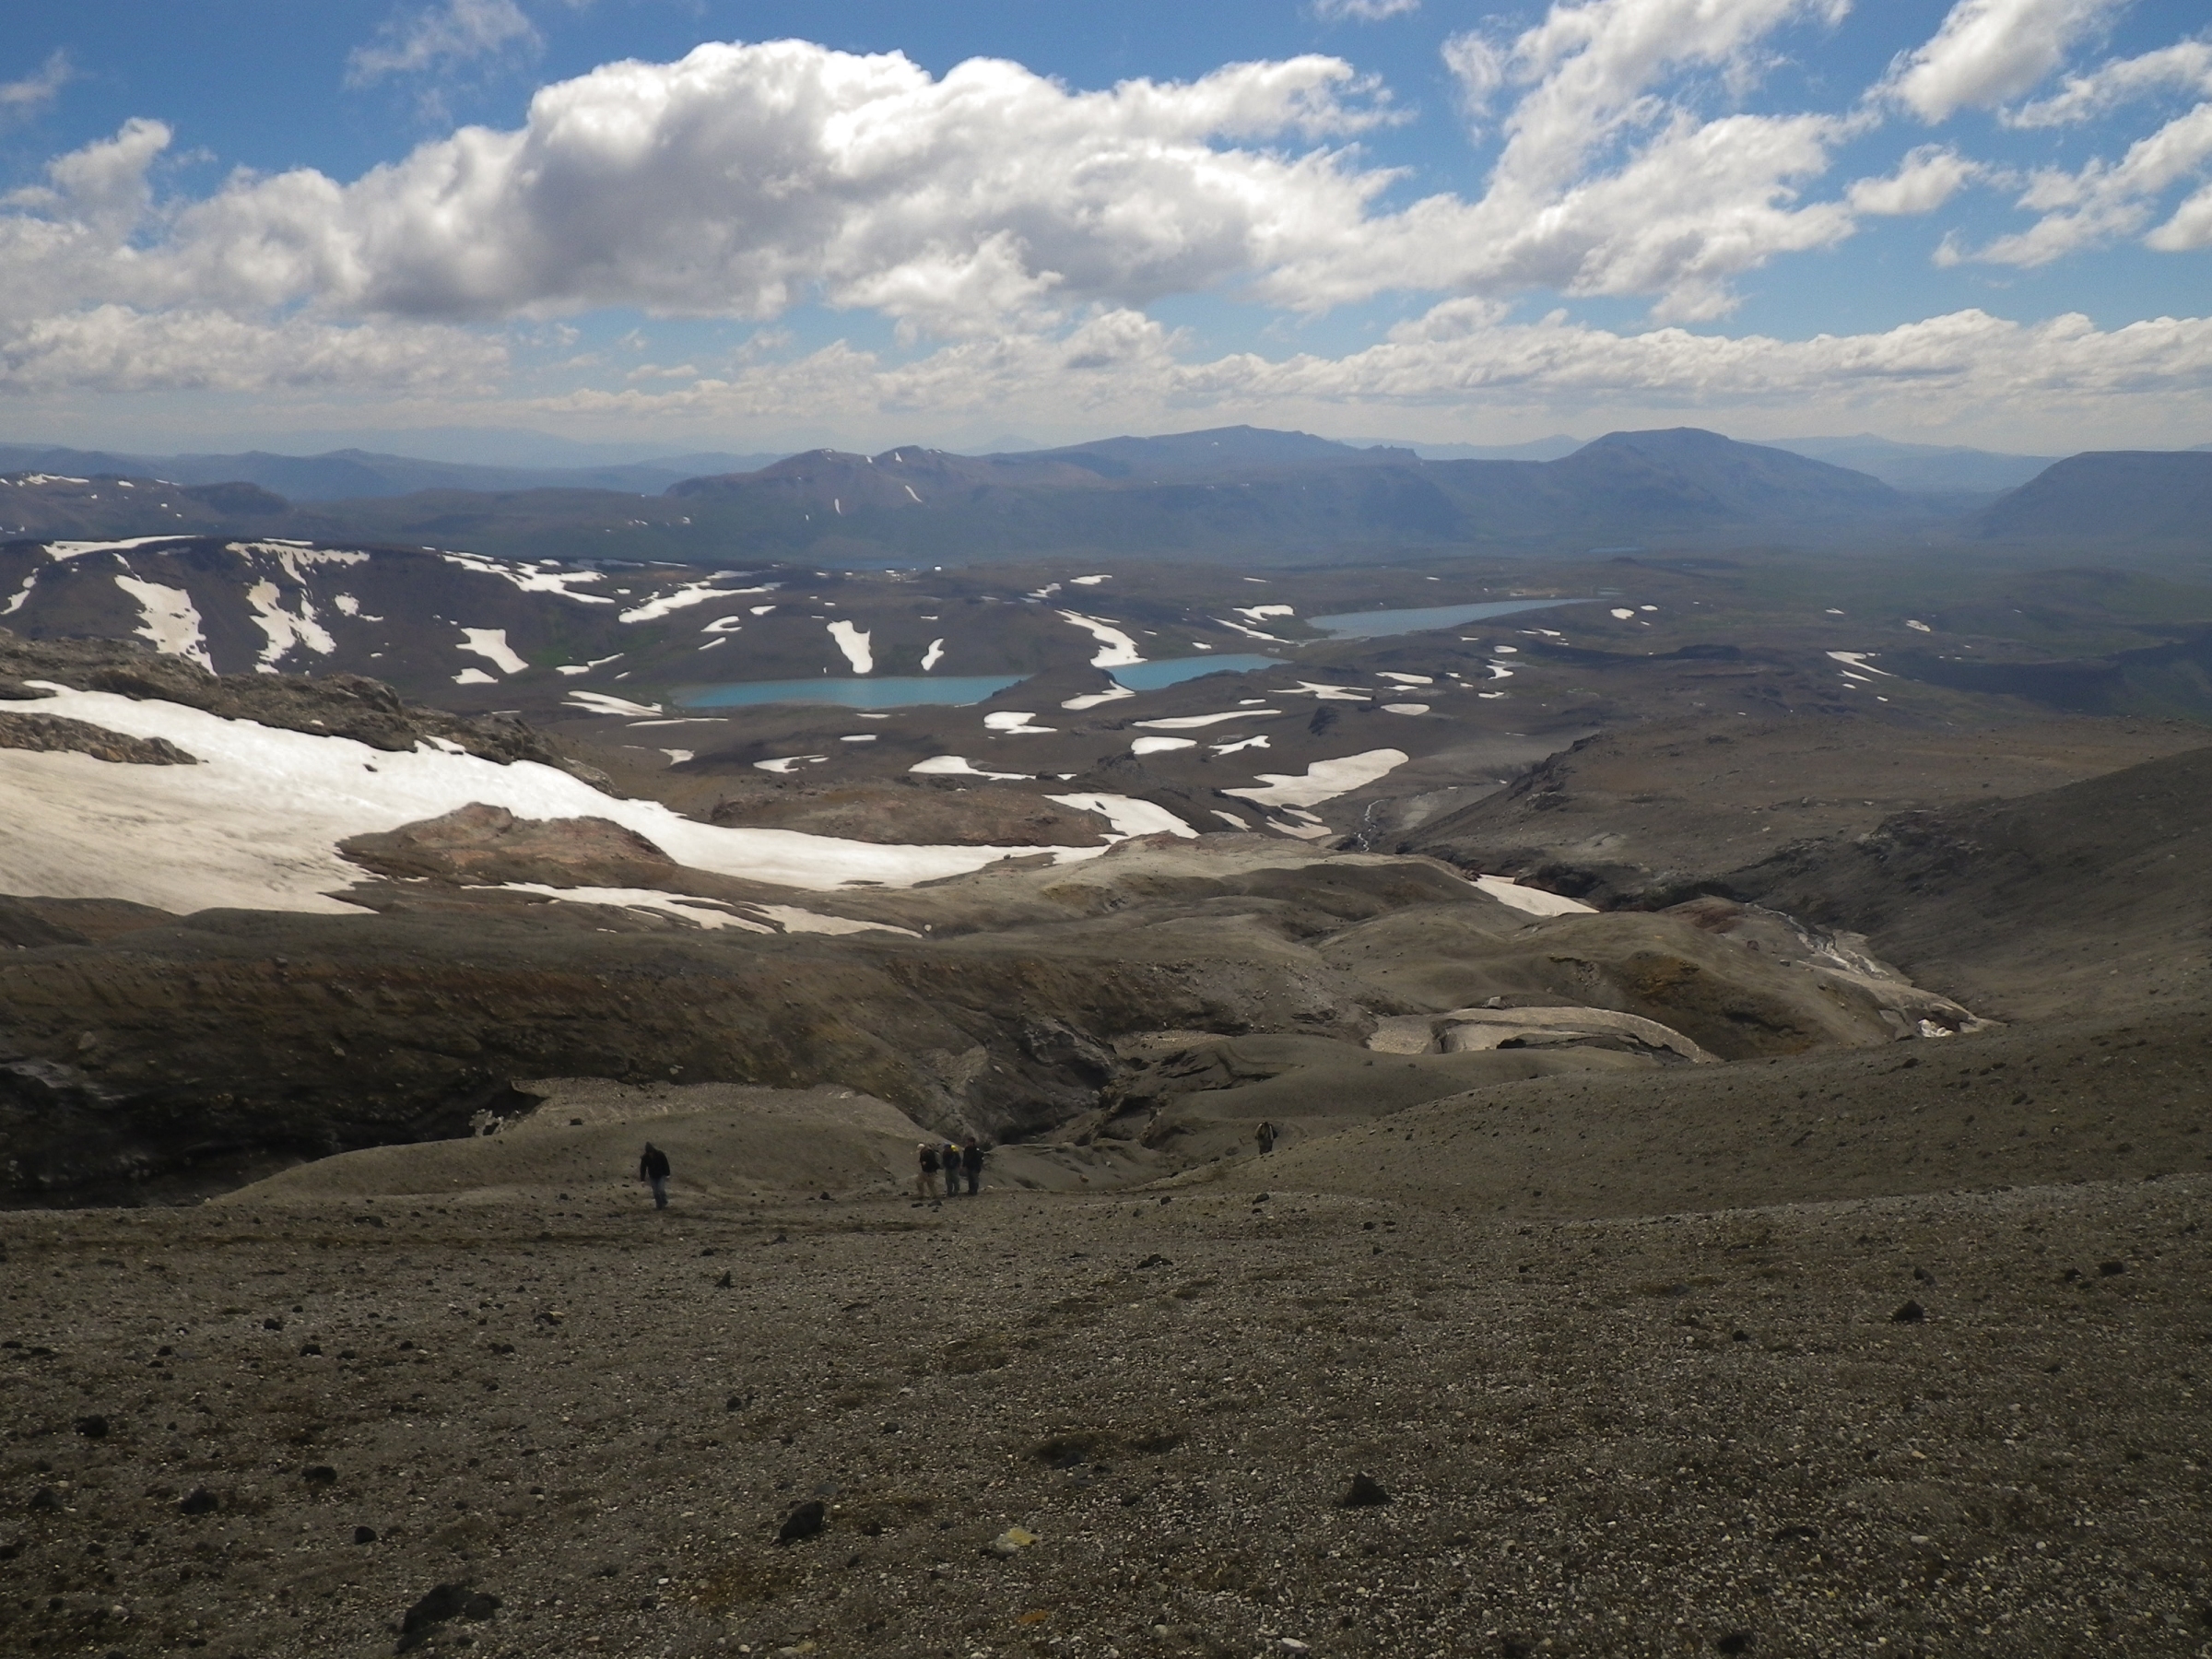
{"x": 1370, "y": 625}
{"x": 1173, "y": 671}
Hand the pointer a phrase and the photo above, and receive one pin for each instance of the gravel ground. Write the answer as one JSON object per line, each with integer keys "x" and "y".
{"x": 1057, "y": 1424}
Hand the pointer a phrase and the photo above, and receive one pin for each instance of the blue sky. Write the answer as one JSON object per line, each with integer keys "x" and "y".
{"x": 766, "y": 226}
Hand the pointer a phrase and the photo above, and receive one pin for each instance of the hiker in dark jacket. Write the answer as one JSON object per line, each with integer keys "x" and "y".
{"x": 654, "y": 1167}
{"x": 972, "y": 1164}
{"x": 926, "y": 1178}
{"x": 949, "y": 1156}
{"x": 1265, "y": 1136}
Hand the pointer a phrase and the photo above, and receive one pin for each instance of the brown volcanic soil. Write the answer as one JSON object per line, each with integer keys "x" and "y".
{"x": 1649, "y": 812}
{"x": 1602, "y": 1430}
{"x": 2095, "y": 895}
{"x": 939, "y": 813}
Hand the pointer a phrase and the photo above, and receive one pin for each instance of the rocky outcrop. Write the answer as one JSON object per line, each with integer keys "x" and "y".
{"x": 913, "y": 811}
{"x": 488, "y": 845}
{"x": 55, "y": 732}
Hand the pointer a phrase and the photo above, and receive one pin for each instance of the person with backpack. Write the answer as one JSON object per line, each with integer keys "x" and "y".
{"x": 971, "y": 1163}
{"x": 1265, "y": 1135}
{"x": 950, "y": 1156}
{"x": 926, "y": 1179}
{"x": 652, "y": 1165}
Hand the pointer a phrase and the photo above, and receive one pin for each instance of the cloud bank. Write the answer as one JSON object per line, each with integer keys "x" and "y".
{"x": 1017, "y": 231}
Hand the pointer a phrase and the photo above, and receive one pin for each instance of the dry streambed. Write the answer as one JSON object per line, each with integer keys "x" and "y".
{"x": 1690, "y": 1433}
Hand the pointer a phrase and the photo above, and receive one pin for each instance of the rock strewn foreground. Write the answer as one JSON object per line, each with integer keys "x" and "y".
{"x": 1695, "y": 1433}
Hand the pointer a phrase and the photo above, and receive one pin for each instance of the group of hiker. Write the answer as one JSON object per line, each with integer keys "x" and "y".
{"x": 935, "y": 1158}
{"x": 947, "y": 1160}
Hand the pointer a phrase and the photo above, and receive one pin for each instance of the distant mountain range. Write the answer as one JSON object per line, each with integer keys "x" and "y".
{"x": 353, "y": 474}
{"x": 1924, "y": 469}
{"x": 2111, "y": 495}
{"x": 1229, "y": 493}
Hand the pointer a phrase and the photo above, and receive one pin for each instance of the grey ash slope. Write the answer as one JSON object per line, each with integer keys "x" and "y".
{"x": 2090, "y": 897}
{"x": 2047, "y": 903}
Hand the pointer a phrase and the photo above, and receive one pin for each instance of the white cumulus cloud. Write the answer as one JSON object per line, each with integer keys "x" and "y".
{"x": 745, "y": 179}
{"x": 1924, "y": 180}
{"x": 1362, "y": 11}
{"x": 439, "y": 37}
{"x": 2101, "y": 200}
{"x": 2184, "y": 66}
{"x": 1989, "y": 51}
{"x": 21, "y": 100}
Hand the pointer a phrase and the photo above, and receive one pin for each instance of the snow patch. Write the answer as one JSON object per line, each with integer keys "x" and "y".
{"x": 285, "y": 630}
{"x": 854, "y": 642}
{"x": 1091, "y": 699}
{"x": 1260, "y": 613}
{"x": 1243, "y": 742}
{"x": 683, "y": 597}
{"x": 490, "y": 643}
{"x": 1323, "y": 781}
{"x": 1089, "y": 581}
{"x": 1404, "y": 707}
{"x": 297, "y": 558}
{"x": 587, "y": 667}
{"x": 707, "y": 913}
{"x": 1127, "y": 815}
{"x": 1015, "y": 722}
{"x": 1858, "y": 659}
{"x": 1407, "y": 679}
{"x": 168, "y": 618}
{"x": 1191, "y": 723}
{"x": 1116, "y": 649}
{"x": 59, "y": 550}
{"x": 474, "y": 676}
{"x": 1334, "y": 693}
{"x": 784, "y": 763}
{"x": 958, "y": 765}
{"x": 599, "y": 703}
{"x": 1160, "y": 745}
{"x": 794, "y": 920}
{"x": 1534, "y": 901}
{"x": 532, "y": 579}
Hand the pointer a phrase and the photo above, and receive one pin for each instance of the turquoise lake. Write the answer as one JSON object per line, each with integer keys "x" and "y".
{"x": 1173, "y": 671}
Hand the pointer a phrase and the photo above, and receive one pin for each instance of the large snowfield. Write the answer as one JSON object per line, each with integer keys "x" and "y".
{"x": 256, "y": 825}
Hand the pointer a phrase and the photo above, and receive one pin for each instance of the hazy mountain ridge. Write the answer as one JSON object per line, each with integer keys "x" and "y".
{"x": 1925, "y": 469}
{"x": 2110, "y": 495}
{"x": 356, "y": 474}
{"x": 1235, "y": 493}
